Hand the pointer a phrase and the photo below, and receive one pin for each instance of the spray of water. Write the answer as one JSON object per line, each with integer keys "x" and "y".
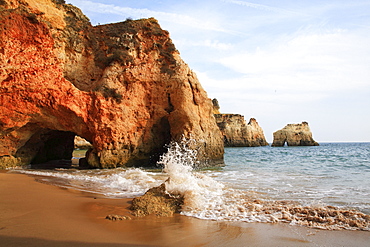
{"x": 206, "y": 198}
{"x": 198, "y": 190}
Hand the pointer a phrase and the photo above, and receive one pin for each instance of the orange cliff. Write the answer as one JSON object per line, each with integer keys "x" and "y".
{"x": 121, "y": 86}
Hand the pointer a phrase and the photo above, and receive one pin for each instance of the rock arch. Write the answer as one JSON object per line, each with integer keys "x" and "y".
{"x": 121, "y": 86}
{"x": 294, "y": 135}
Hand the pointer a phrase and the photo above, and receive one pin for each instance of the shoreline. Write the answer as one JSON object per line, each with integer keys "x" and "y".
{"x": 38, "y": 214}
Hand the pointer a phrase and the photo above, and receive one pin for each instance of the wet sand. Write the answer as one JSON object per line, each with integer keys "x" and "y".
{"x": 36, "y": 214}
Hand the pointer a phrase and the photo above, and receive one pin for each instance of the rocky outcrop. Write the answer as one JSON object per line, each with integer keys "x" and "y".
{"x": 216, "y": 106}
{"x": 237, "y": 133}
{"x": 294, "y": 135}
{"x": 123, "y": 87}
{"x": 81, "y": 143}
{"x": 157, "y": 201}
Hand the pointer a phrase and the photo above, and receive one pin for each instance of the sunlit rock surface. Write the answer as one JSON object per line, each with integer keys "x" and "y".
{"x": 123, "y": 87}
{"x": 157, "y": 201}
{"x": 237, "y": 133}
{"x": 294, "y": 135}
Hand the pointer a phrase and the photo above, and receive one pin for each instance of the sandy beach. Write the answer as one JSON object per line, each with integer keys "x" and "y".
{"x": 37, "y": 214}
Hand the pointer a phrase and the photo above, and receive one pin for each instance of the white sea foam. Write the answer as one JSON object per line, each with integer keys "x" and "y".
{"x": 118, "y": 183}
{"x": 204, "y": 197}
{"x": 199, "y": 190}
{"x": 207, "y": 198}
{"x": 237, "y": 193}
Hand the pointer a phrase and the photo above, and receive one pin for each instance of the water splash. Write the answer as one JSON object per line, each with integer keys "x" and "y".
{"x": 206, "y": 198}
{"x": 198, "y": 190}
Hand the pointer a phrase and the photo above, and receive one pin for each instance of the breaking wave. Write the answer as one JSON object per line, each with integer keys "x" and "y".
{"x": 206, "y": 198}
{"x": 116, "y": 183}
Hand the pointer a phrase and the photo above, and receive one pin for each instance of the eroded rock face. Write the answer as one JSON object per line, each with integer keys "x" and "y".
{"x": 294, "y": 135}
{"x": 237, "y": 133}
{"x": 123, "y": 87}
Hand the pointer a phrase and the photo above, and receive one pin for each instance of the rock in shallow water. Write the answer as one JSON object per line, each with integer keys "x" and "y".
{"x": 158, "y": 202}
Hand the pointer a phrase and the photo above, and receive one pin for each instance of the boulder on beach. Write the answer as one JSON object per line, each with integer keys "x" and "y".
{"x": 294, "y": 135}
{"x": 123, "y": 87}
{"x": 158, "y": 202}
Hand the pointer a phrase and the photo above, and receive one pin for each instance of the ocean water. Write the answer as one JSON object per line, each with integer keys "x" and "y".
{"x": 335, "y": 174}
{"x": 326, "y": 186}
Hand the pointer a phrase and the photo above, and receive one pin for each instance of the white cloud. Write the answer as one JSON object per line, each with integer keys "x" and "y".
{"x": 214, "y": 44}
{"x": 317, "y": 77}
{"x": 254, "y": 89}
{"x": 337, "y": 60}
{"x": 89, "y": 6}
{"x": 261, "y": 7}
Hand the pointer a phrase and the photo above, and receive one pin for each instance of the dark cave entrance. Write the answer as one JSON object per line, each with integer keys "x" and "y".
{"x": 56, "y": 145}
{"x": 161, "y": 132}
{"x": 49, "y": 149}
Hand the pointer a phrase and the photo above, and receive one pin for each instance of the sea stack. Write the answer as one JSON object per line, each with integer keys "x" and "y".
{"x": 236, "y": 132}
{"x": 123, "y": 87}
{"x": 294, "y": 135}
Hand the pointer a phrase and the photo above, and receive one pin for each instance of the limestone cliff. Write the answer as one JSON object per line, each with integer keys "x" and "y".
{"x": 237, "y": 133}
{"x": 123, "y": 87}
{"x": 294, "y": 135}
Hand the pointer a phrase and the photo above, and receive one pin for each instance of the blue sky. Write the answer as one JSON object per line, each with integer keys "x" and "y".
{"x": 277, "y": 61}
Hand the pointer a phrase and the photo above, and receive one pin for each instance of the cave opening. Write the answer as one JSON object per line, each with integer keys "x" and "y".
{"x": 284, "y": 143}
{"x": 81, "y": 146}
{"x": 161, "y": 133}
{"x": 49, "y": 149}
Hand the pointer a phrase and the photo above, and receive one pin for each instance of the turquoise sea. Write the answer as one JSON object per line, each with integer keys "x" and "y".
{"x": 259, "y": 184}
